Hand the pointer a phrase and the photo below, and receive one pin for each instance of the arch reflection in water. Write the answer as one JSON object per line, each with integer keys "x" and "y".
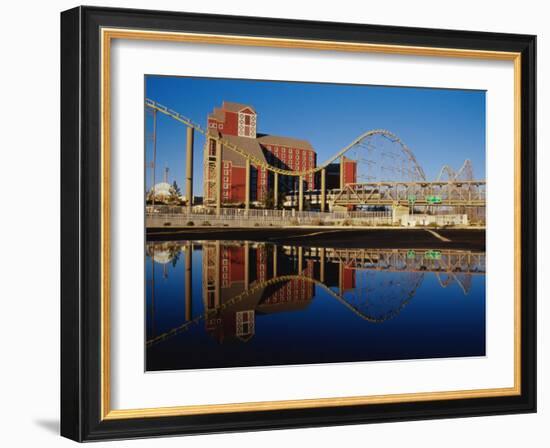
{"x": 214, "y": 304}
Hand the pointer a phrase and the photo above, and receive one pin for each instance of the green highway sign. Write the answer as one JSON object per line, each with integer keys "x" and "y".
{"x": 433, "y": 199}
{"x": 411, "y": 253}
{"x": 412, "y": 198}
{"x": 432, "y": 255}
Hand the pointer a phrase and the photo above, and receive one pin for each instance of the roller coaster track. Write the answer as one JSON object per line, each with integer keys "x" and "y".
{"x": 283, "y": 279}
{"x": 466, "y": 171}
{"x": 259, "y": 163}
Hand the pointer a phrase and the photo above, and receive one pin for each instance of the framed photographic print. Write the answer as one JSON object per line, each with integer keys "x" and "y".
{"x": 273, "y": 223}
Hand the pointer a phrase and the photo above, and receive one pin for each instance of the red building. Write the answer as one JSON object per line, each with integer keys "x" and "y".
{"x": 226, "y": 271}
{"x": 237, "y": 123}
{"x": 348, "y": 171}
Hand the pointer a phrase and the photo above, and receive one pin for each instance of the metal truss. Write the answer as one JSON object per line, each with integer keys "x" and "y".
{"x": 440, "y": 193}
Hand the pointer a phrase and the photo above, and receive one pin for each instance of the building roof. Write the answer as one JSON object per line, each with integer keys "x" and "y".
{"x": 284, "y": 141}
{"x": 236, "y": 107}
{"x": 250, "y": 145}
{"x": 217, "y": 114}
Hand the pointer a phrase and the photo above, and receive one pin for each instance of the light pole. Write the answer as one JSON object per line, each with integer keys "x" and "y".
{"x": 153, "y": 167}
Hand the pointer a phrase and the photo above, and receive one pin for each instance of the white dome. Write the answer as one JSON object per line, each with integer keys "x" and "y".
{"x": 162, "y": 189}
{"x": 162, "y": 257}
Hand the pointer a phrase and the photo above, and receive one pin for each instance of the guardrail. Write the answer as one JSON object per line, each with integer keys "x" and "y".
{"x": 251, "y": 218}
{"x": 168, "y": 209}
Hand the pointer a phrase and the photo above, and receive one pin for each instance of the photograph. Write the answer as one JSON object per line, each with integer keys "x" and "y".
{"x": 293, "y": 223}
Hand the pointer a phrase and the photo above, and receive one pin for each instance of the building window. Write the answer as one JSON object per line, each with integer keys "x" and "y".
{"x": 244, "y": 323}
{"x": 212, "y": 149}
{"x": 247, "y": 125}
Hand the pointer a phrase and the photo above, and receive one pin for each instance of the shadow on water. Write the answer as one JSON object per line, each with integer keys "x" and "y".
{"x": 232, "y": 304}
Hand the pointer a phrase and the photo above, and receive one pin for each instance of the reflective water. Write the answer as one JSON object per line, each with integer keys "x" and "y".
{"x": 214, "y": 304}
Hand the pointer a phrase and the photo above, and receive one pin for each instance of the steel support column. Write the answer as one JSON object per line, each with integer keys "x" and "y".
{"x": 322, "y": 265}
{"x": 323, "y": 190}
{"x": 154, "y": 163}
{"x": 301, "y": 193}
{"x": 341, "y": 278}
{"x": 341, "y": 172}
{"x": 219, "y": 185}
{"x": 189, "y": 168}
{"x": 188, "y": 284}
{"x": 246, "y": 265}
{"x": 275, "y": 261}
{"x": 275, "y": 189}
{"x": 217, "y": 270}
{"x": 247, "y": 186}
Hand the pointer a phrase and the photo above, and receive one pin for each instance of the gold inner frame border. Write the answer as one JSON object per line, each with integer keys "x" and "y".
{"x": 107, "y": 36}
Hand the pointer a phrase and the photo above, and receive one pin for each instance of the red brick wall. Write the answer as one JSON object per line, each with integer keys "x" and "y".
{"x": 287, "y": 156}
{"x": 231, "y": 125}
{"x": 233, "y": 266}
{"x": 238, "y": 185}
{"x": 349, "y": 171}
{"x": 348, "y": 282}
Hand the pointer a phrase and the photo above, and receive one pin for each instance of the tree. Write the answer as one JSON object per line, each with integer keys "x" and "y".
{"x": 175, "y": 193}
{"x": 270, "y": 201}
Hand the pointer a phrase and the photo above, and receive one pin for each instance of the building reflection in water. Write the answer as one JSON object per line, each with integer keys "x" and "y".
{"x": 240, "y": 281}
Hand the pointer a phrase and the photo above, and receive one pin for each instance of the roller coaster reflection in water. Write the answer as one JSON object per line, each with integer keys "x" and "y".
{"x": 243, "y": 280}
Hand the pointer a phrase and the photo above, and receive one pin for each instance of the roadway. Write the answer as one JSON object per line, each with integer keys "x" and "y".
{"x": 468, "y": 239}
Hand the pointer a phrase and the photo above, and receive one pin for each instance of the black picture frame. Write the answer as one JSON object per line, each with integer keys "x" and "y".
{"x": 81, "y": 224}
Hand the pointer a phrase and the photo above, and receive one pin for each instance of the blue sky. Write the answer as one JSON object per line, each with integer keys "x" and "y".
{"x": 440, "y": 126}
